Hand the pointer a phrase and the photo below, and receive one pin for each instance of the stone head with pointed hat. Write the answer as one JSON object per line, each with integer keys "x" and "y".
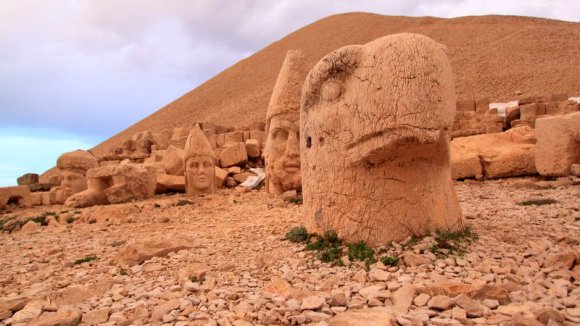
{"x": 282, "y": 147}
{"x": 198, "y": 164}
{"x": 73, "y": 167}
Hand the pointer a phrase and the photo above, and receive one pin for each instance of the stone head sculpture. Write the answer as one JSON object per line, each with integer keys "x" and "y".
{"x": 198, "y": 164}
{"x": 73, "y": 168}
{"x": 282, "y": 149}
{"x": 375, "y": 125}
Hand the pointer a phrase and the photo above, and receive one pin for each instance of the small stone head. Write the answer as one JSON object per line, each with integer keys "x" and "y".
{"x": 73, "y": 167}
{"x": 282, "y": 147}
{"x": 198, "y": 164}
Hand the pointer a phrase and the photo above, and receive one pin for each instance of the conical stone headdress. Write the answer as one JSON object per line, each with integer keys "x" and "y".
{"x": 197, "y": 144}
{"x": 287, "y": 92}
{"x": 79, "y": 159}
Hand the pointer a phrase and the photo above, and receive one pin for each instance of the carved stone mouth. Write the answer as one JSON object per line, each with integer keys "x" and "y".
{"x": 404, "y": 131}
{"x": 292, "y": 166}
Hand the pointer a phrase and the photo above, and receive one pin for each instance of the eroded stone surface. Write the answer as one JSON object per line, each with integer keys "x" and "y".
{"x": 375, "y": 123}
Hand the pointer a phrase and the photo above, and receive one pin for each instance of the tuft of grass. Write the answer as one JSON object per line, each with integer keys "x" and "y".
{"x": 86, "y": 259}
{"x": 183, "y": 202}
{"x": 298, "y": 234}
{"x": 296, "y": 200}
{"x": 70, "y": 219}
{"x": 453, "y": 243}
{"x": 390, "y": 261}
{"x": 122, "y": 271}
{"x": 538, "y": 202}
{"x": 360, "y": 251}
{"x": 193, "y": 279}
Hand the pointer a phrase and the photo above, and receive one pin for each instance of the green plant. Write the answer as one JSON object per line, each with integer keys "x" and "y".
{"x": 298, "y": 234}
{"x": 193, "y": 278}
{"x": 122, "y": 271}
{"x": 453, "y": 242}
{"x": 390, "y": 261}
{"x": 183, "y": 202}
{"x": 69, "y": 220}
{"x": 50, "y": 213}
{"x": 360, "y": 251}
{"x": 86, "y": 259}
{"x": 538, "y": 202}
{"x": 296, "y": 200}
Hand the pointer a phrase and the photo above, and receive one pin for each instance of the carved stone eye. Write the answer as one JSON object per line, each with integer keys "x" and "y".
{"x": 331, "y": 90}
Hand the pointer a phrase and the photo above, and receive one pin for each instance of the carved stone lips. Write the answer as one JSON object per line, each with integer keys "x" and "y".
{"x": 292, "y": 166}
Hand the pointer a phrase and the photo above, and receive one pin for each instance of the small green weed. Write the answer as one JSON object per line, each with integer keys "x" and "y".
{"x": 296, "y": 200}
{"x": 360, "y": 251}
{"x": 183, "y": 202}
{"x": 538, "y": 202}
{"x": 70, "y": 219}
{"x": 453, "y": 243}
{"x": 390, "y": 261}
{"x": 297, "y": 235}
{"x": 122, "y": 271}
{"x": 86, "y": 259}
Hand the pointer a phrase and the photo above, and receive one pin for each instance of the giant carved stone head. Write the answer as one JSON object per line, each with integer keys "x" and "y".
{"x": 282, "y": 149}
{"x": 375, "y": 125}
{"x": 73, "y": 168}
{"x": 198, "y": 164}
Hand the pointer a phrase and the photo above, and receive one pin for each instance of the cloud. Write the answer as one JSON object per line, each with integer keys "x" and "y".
{"x": 33, "y": 150}
{"x": 91, "y": 68}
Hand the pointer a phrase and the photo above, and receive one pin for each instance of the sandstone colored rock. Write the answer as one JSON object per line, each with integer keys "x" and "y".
{"x": 379, "y": 316}
{"x": 73, "y": 167}
{"x": 233, "y": 154}
{"x": 114, "y": 184}
{"x": 558, "y": 146}
{"x": 141, "y": 251}
{"x": 173, "y": 161}
{"x": 169, "y": 183}
{"x": 62, "y": 317}
{"x": 19, "y": 195}
{"x": 220, "y": 177}
{"x": 30, "y": 227}
{"x": 375, "y": 160}
{"x": 506, "y": 154}
{"x": 282, "y": 149}
{"x": 198, "y": 164}
{"x": 253, "y": 148}
{"x": 465, "y": 105}
{"x": 27, "y": 179}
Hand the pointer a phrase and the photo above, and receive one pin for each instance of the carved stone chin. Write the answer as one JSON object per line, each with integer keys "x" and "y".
{"x": 375, "y": 123}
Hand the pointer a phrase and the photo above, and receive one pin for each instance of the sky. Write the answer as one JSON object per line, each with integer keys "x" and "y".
{"x": 75, "y": 72}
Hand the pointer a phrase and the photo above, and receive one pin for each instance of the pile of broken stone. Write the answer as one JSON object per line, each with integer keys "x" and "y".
{"x": 372, "y": 163}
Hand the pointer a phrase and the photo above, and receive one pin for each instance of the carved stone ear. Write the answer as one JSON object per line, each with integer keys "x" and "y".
{"x": 336, "y": 67}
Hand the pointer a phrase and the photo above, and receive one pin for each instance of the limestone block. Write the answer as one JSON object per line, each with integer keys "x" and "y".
{"x": 18, "y": 195}
{"x": 257, "y": 126}
{"x": 253, "y": 148}
{"x": 466, "y": 105}
{"x": 234, "y": 137}
{"x": 116, "y": 184}
{"x": 528, "y": 113}
{"x": 558, "y": 145}
{"x": 379, "y": 171}
{"x": 505, "y": 154}
{"x": 36, "y": 199}
{"x": 141, "y": 251}
{"x": 233, "y": 154}
{"x": 220, "y": 140}
{"x": 220, "y": 176}
{"x": 246, "y": 135}
{"x": 482, "y": 105}
{"x": 173, "y": 161}
{"x": 169, "y": 183}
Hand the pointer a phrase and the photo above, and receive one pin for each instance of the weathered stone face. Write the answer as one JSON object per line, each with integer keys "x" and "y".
{"x": 198, "y": 164}
{"x": 72, "y": 181}
{"x": 282, "y": 151}
{"x": 200, "y": 175}
{"x": 375, "y": 122}
{"x": 73, "y": 167}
